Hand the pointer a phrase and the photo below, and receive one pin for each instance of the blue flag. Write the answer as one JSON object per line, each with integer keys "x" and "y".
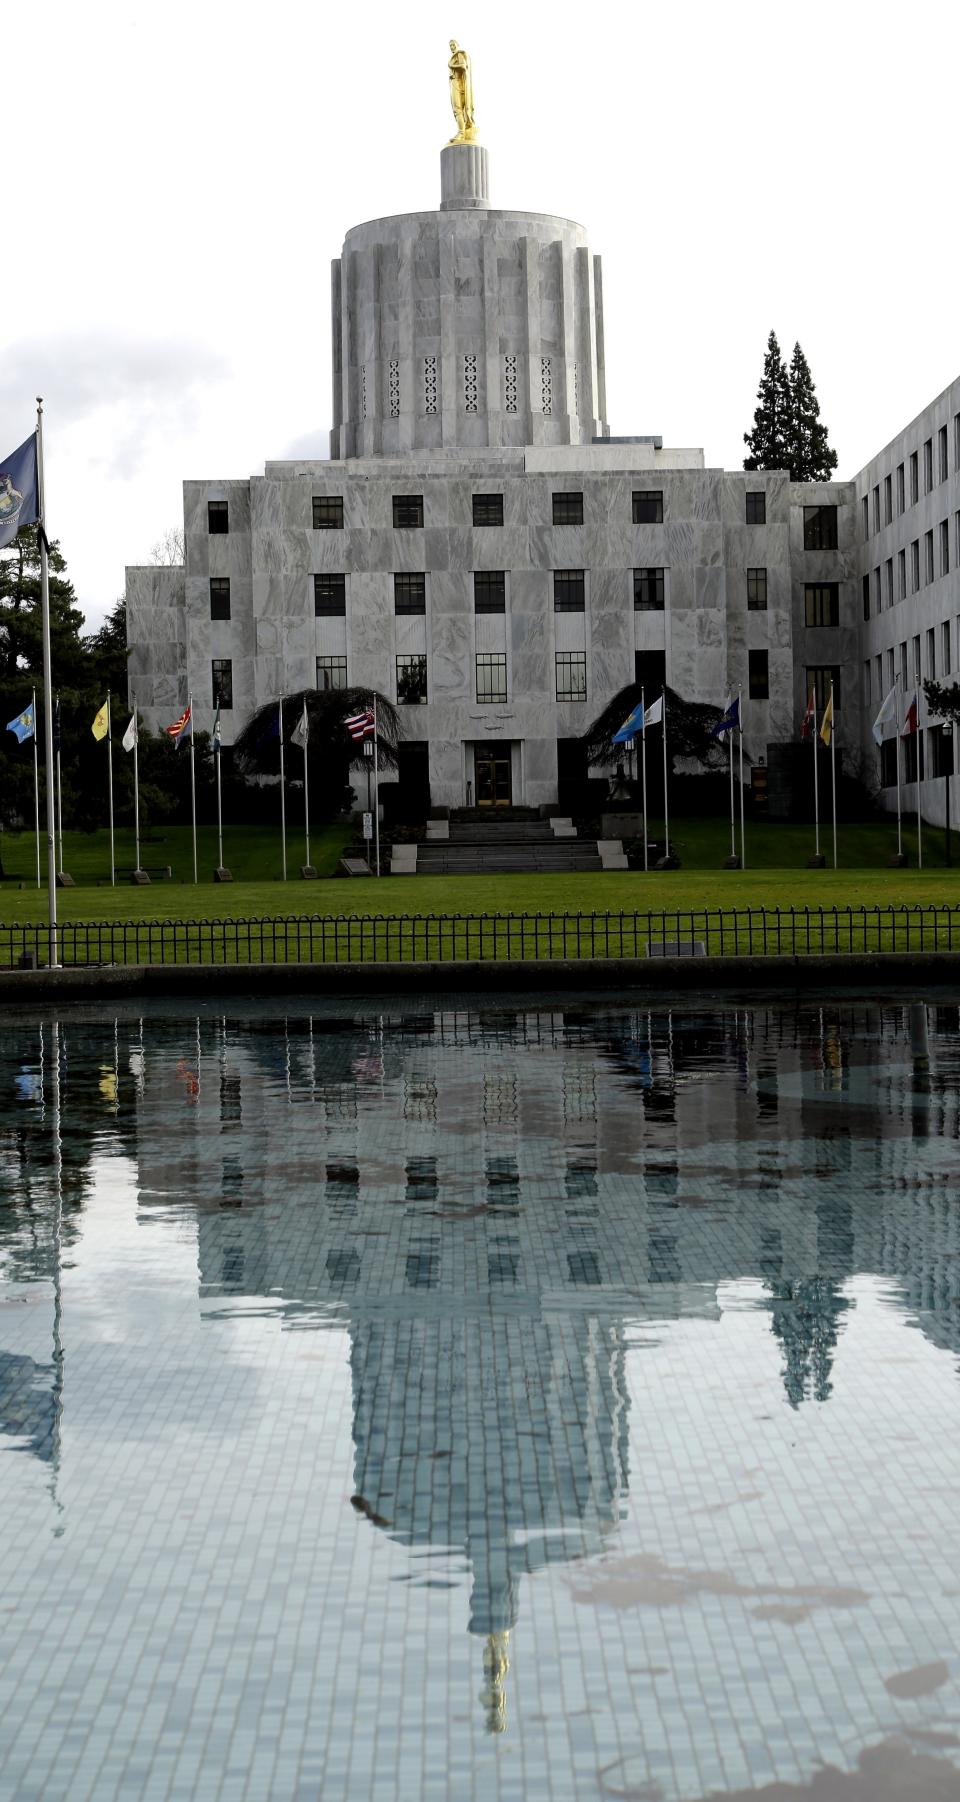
{"x": 630, "y": 726}
{"x": 19, "y": 490}
{"x": 729, "y": 721}
{"x": 24, "y": 725}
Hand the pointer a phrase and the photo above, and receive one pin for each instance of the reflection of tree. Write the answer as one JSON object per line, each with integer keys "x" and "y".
{"x": 806, "y": 1320}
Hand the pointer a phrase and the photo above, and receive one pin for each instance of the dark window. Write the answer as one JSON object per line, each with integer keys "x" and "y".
{"x": 328, "y": 512}
{"x": 568, "y": 591}
{"x": 912, "y": 755}
{"x": 888, "y": 763}
{"x": 928, "y": 556}
{"x": 758, "y": 675}
{"x": 410, "y": 594}
{"x": 648, "y": 590}
{"x": 330, "y": 597}
{"x": 408, "y": 509}
{"x": 821, "y": 602}
{"x": 927, "y": 465}
{"x": 222, "y": 673}
{"x": 820, "y": 528}
{"x": 648, "y": 507}
{"x": 218, "y": 518}
{"x": 412, "y": 680}
{"x": 902, "y": 574}
{"x": 489, "y": 591}
{"x": 941, "y": 748}
{"x": 876, "y": 508}
{"x": 756, "y": 507}
{"x": 944, "y": 547}
{"x": 219, "y": 597}
{"x": 488, "y": 509}
{"x": 568, "y": 509}
{"x": 901, "y": 492}
{"x": 944, "y": 466}
{"x": 914, "y": 476}
{"x": 491, "y": 676}
{"x": 819, "y": 678}
{"x": 571, "y": 676}
{"x": 757, "y": 590}
{"x": 887, "y": 500}
{"x": 865, "y": 585}
{"x": 650, "y": 671}
{"x": 331, "y": 672}
{"x": 888, "y": 580}
{"x": 865, "y": 508}
{"x": 915, "y": 566}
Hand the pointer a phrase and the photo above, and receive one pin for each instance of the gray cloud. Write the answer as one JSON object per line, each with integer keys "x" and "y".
{"x": 308, "y": 445}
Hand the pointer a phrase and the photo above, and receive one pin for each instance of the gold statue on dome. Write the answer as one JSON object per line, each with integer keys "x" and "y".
{"x": 461, "y": 95}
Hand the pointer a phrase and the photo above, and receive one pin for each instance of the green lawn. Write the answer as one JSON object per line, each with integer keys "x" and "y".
{"x": 777, "y": 877}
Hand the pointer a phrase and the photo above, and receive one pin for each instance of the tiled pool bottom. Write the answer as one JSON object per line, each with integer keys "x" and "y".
{"x": 464, "y": 1404}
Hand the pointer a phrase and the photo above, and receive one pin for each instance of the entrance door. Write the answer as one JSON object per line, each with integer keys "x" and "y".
{"x": 492, "y": 768}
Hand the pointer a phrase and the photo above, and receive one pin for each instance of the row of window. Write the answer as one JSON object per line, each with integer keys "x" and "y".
{"x": 936, "y": 644}
{"x": 819, "y": 523}
{"x": 900, "y": 478}
{"x": 821, "y": 599}
{"x": 877, "y": 594}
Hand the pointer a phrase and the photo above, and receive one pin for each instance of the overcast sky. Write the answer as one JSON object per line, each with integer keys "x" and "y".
{"x": 183, "y": 174}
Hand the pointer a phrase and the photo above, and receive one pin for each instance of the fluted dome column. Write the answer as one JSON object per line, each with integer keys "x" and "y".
{"x": 463, "y": 177}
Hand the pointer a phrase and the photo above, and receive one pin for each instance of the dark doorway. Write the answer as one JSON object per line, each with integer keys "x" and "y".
{"x": 650, "y": 670}
{"x": 491, "y": 766}
{"x": 413, "y": 779}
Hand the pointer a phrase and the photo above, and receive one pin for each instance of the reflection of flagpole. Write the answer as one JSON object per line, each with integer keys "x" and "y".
{"x": 113, "y": 860}
{"x": 58, "y": 1358}
{"x": 48, "y": 690}
{"x": 283, "y": 795}
{"x": 376, "y": 783}
{"x": 743, "y": 836}
{"x": 193, "y": 787}
{"x": 643, "y": 761}
{"x": 36, "y": 778}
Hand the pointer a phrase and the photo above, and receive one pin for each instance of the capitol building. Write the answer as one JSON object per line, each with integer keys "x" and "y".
{"x": 485, "y": 548}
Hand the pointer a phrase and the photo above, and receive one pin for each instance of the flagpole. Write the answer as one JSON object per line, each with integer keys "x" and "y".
{"x": 666, "y": 807}
{"x": 113, "y": 861}
{"x": 218, "y": 753}
{"x": 306, "y": 788}
{"x": 36, "y": 780}
{"x": 833, "y": 770}
{"x": 376, "y": 784}
{"x": 59, "y": 780}
{"x": 743, "y": 839}
{"x": 919, "y": 768}
{"x": 896, "y": 703}
{"x": 733, "y": 829}
{"x": 193, "y": 787}
{"x": 643, "y": 760}
{"x": 816, "y": 778}
{"x": 283, "y": 797}
{"x": 54, "y": 959}
{"x": 136, "y": 788}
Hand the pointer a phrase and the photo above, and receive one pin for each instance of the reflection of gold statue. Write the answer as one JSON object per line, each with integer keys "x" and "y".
{"x": 496, "y": 1664}
{"x": 461, "y": 95}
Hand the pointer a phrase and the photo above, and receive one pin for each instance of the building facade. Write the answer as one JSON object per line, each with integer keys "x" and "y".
{"x": 479, "y": 548}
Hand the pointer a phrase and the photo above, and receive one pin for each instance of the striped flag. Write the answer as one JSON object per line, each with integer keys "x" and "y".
{"x": 361, "y": 725}
{"x": 181, "y": 728}
{"x": 911, "y": 721}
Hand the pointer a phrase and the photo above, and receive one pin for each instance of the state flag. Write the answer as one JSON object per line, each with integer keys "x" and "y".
{"x": 654, "y": 714}
{"x": 826, "y": 721}
{"x": 25, "y": 724}
{"x": 631, "y": 726}
{"x": 101, "y": 724}
{"x": 19, "y": 490}
{"x": 885, "y": 724}
{"x": 301, "y": 731}
{"x": 129, "y": 738}
{"x": 730, "y": 720}
{"x": 217, "y": 733}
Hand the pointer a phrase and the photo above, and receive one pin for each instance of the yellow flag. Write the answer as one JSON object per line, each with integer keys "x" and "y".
{"x": 101, "y": 724}
{"x": 826, "y": 722}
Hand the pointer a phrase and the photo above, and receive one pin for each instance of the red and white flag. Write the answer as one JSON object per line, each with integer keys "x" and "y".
{"x": 361, "y": 725}
{"x": 180, "y": 728}
{"x": 810, "y": 717}
{"x": 911, "y": 721}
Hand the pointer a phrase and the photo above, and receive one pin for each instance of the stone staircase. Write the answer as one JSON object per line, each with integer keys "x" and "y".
{"x": 515, "y": 841}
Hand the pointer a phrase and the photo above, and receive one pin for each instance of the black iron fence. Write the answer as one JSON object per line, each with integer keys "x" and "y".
{"x": 494, "y": 938}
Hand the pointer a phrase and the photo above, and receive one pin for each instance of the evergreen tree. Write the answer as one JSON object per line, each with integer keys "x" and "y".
{"x": 769, "y": 442}
{"x": 810, "y": 458}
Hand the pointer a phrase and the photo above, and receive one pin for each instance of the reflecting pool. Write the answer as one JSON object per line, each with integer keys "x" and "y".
{"x": 439, "y": 1401}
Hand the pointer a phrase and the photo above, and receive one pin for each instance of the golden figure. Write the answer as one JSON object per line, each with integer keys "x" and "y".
{"x": 496, "y": 1664}
{"x": 461, "y": 95}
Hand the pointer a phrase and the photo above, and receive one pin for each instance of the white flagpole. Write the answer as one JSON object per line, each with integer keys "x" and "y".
{"x": 193, "y": 788}
{"x": 919, "y": 767}
{"x": 136, "y": 787}
{"x": 666, "y": 805}
{"x": 743, "y": 838}
{"x": 733, "y": 829}
{"x": 306, "y": 785}
{"x": 36, "y": 779}
{"x": 833, "y": 770}
{"x": 54, "y": 959}
{"x": 113, "y": 860}
{"x": 218, "y": 753}
{"x": 816, "y": 777}
{"x": 283, "y": 796}
{"x": 59, "y": 781}
{"x": 643, "y": 760}
{"x": 896, "y": 704}
{"x": 376, "y": 783}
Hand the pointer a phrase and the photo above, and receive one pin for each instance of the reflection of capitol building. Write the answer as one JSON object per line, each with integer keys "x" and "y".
{"x": 490, "y": 1206}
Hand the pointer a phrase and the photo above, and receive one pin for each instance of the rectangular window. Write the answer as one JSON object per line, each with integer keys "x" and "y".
{"x": 568, "y": 509}
{"x": 218, "y": 518}
{"x": 865, "y": 586}
{"x": 571, "y": 676}
{"x": 916, "y": 658}
{"x": 820, "y": 528}
{"x": 914, "y": 477}
{"x": 330, "y": 597}
{"x": 940, "y": 741}
{"x": 903, "y": 663}
{"x": 866, "y": 683}
{"x": 956, "y": 539}
{"x": 876, "y": 589}
{"x": 915, "y": 566}
{"x": 328, "y": 512}
{"x": 489, "y": 591}
{"x": 888, "y": 763}
{"x": 822, "y": 603}
{"x": 956, "y": 441}
{"x": 902, "y": 574}
{"x": 491, "y": 676}
{"x": 819, "y": 678}
{"x": 931, "y": 653}
{"x": 331, "y": 672}
{"x": 221, "y": 670}
{"x": 758, "y": 675}
{"x": 891, "y": 670}
{"x": 219, "y": 597}
{"x": 648, "y": 590}
{"x": 756, "y": 590}
{"x": 408, "y": 510}
{"x": 888, "y": 573}
{"x": 901, "y": 495}
{"x": 865, "y": 509}
{"x": 412, "y": 681}
{"x": 648, "y": 507}
{"x": 756, "y": 507}
{"x": 410, "y": 594}
{"x": 927, "y": 465}
{"x": 928, "y": 557}
{"x": 887, "y": 500}
{"x": 878, "y": 673}
{"x": 942, "y": 440}
{"x": 945, "y": 648}
{"x": 568, "y": 591}
{"x": 488, "y": 509}
{"x": 944, "y": 547}
{"x": 876, "y": 508}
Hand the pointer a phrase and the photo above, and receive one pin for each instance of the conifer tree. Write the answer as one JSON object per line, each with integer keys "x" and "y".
{"x": 769, "y": 442}
{"x": 810, "y": 456}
